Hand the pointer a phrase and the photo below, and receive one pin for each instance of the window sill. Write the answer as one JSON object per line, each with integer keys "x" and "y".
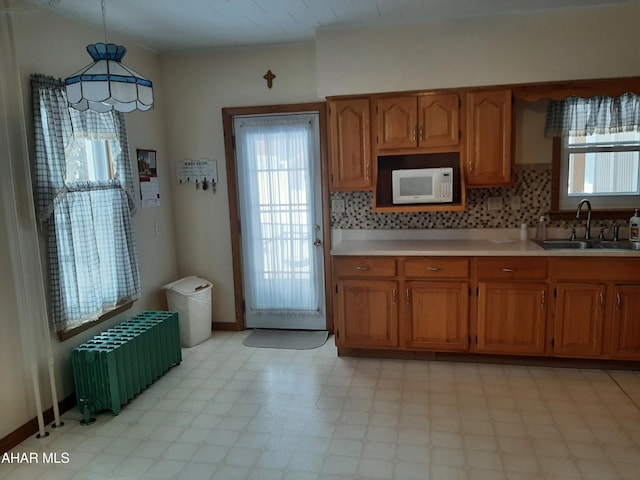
{"x": 105, "y": 316}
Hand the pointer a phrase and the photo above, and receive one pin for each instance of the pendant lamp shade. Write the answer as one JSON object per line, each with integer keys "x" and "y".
{"x": 107, "y": 84}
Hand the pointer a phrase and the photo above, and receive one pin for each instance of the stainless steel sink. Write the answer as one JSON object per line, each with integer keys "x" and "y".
{"x": 588, "y": 244}
{"x": 564, "y": 244}
{"x": 619, "y": 245}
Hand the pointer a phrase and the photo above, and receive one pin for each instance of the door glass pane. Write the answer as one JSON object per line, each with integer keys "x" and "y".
{"x": 277, "y": 214}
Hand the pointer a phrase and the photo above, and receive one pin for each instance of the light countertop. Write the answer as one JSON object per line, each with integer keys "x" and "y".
{"x": 472, "y": 242}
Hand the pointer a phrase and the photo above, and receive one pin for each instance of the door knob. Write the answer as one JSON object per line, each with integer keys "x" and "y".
{"x": 317, "y": 242}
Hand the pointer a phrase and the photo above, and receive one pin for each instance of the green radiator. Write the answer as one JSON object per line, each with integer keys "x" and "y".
{"x": 116, "y": 365}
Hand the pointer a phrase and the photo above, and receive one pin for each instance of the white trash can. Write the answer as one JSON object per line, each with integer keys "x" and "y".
{"x": 191, "y": 298}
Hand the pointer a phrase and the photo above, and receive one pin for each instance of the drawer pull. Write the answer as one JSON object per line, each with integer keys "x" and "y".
{"x": 435, "y": 269}
{"x": 509, "y": 270}
{"x": 363, "y": 269}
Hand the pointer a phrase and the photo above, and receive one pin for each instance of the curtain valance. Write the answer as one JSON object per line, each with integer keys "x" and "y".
{"x": 576, "y": 116}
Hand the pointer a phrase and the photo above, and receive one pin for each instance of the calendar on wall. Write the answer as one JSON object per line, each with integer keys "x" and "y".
{"x": 148, "y": 176}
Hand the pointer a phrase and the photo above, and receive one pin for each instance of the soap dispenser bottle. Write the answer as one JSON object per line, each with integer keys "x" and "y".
{"x": 634, "y": 227}
{"x": 541, "y": 231}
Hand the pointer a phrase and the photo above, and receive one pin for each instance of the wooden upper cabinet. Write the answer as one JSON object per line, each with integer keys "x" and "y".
{"x": 489, "y": 143}
{"x": 421, "y": 121}
{"x": 350, "y": 142}
{"x": 397, "y": 119}
{"x": 439, "y": 120}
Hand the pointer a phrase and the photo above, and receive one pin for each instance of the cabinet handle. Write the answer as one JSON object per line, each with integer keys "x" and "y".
{"x": 413, "y": 134}
{"x": 543, "y": 298}
{"x": 363, "y": 269}
{"x": 602, "y": 299}
{"x": 619, "y": 299}
{"x": 394, "y": 295}
{"x": 367, "y": 172}
{"x": 509, "y": 270}
{"x": 408, "y": 297}
{"x": 434, "y": 269}
{"x": 421, "y": 132}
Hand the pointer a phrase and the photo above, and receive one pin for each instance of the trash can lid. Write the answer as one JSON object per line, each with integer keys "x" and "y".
{"x": 189, "y": 285}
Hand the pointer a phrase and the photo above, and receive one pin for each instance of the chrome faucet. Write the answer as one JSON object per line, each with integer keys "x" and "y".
{"x": 587, "y": 233}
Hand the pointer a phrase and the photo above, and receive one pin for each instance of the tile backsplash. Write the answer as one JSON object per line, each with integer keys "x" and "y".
{"x": 532, "y": 186}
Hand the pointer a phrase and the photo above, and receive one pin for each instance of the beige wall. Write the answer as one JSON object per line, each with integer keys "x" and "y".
{"x": 201, "y": 85}
{"x": 517, "y": 48}
{"x": 37, "y": 53}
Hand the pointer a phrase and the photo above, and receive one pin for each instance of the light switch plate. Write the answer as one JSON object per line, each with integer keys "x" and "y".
{"x": 338, "y": 205}
{"x": 494, "y": 204}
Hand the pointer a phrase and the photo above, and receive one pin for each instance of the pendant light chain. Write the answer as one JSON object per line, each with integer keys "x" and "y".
{"x": 104, "y": 20}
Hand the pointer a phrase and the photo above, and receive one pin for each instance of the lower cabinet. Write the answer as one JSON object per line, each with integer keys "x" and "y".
{"x": 367, "y": 313}
{"x": 436, "y": 315}
{"x": 567, "y": 307}
{"x": 579, "y": 320}
{"x": 366, "y": 302}
{"x": 626, "y": 322}
{"x": 511, "y": 318}
{"x": 597, "y": 312}
{"x": 512, "y": 305}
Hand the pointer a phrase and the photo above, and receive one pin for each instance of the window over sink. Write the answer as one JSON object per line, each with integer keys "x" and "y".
{"x": 603, "y": 167}
{"x": 596, "y": 151}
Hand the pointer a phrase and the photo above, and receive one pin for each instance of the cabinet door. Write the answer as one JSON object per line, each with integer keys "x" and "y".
{"x": 367, "y": 313}
{"x": 437, "y": 316}
{"x": 350, "y": 139}
{"x": 626, "y": 322}
{"x": 488, "y": 156}
{"x": 511, "y": 318}
{"x": 397, "y": 122}
{"x": 439, "y": 124}
{"x": 579, "y": 320}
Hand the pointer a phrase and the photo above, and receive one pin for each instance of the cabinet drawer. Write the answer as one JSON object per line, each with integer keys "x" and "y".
{"x": 437, "y": 267}
{"x": 364, "y": 267}
{"x": 602, "y": 269}
{"x": 516, "y": 268}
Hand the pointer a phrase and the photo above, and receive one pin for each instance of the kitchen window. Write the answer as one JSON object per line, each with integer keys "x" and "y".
{"x": 90, "y": 161}
{"x": 597, "y": 151}
{"x": 84, "y": 191}
{"x": 602, "y": 167}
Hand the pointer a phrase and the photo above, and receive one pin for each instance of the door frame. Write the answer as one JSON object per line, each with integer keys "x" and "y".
{"x": 228, "y": 115}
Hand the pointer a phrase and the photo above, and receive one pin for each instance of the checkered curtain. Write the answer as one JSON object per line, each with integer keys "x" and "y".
{"x": 585, "y": 116}
{"x": 92, "y": 259}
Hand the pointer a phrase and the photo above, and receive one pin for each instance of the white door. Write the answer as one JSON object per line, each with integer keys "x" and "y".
{"x": 279, "y": 190}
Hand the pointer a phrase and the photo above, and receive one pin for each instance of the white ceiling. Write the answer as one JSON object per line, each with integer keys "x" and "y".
{"x": 179, "y": 25}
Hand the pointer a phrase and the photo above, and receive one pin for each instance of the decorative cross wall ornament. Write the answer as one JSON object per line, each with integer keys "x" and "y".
{"x": 269, "y": 76}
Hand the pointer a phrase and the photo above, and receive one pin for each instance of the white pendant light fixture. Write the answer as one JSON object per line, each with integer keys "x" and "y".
{"x": 107, "y": 84}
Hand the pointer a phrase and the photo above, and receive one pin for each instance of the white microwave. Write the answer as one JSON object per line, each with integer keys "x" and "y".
{"x": 422, "y": 185}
